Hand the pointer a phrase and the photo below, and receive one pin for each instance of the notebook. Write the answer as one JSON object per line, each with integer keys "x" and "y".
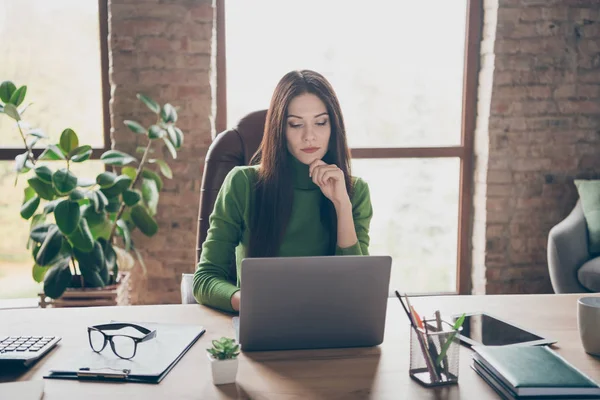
{"x": 534, "y": 371}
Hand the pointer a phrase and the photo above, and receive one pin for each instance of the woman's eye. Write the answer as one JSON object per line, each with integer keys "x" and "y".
{"x": 295, "y": 125}
{"x": 322, "y": 123}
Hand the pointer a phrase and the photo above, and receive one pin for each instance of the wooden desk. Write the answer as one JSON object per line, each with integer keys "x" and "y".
{"x": 379, "y": 373}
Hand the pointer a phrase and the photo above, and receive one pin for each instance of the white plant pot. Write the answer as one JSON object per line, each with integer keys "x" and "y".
{"x": 223, "y": 371}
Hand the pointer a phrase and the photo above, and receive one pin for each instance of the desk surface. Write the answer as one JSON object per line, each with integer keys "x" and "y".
{"x": 380, "y": 372}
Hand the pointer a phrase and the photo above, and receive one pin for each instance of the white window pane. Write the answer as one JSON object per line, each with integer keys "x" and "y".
{"x": 415, "y": 219}
{"x": 53, "y": 47}
{"x": 397, "y": 66}
{"x": 15, "y": 260}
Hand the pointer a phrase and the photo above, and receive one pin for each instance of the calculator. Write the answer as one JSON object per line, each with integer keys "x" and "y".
{"x": 25, "y": 350}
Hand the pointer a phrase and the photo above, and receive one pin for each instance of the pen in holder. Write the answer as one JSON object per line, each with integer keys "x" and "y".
{"x": 434, "y": 353}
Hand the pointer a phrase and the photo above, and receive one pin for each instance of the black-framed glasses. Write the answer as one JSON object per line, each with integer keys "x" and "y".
{"x": 124, "y": 346}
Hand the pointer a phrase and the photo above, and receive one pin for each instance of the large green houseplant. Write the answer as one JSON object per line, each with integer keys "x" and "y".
{"x": 80, "y": 229}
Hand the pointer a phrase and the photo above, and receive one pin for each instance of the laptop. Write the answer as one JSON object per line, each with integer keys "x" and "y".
{"x": 312, "y": 302}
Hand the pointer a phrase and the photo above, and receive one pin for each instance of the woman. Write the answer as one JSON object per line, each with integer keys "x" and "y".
{"x": 298, "y": 197}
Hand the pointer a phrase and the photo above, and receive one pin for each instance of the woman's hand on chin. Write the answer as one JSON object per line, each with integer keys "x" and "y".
{"x": 330, "y": 179}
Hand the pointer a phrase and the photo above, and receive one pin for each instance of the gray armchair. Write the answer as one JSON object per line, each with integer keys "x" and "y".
{"x": 572, "y": 269}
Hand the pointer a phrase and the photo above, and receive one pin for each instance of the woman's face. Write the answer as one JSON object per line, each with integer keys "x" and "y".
{"x": 307, "y": 128}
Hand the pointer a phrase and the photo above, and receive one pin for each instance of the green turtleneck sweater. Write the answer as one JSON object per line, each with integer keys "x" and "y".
{"x": 228, "y": 234}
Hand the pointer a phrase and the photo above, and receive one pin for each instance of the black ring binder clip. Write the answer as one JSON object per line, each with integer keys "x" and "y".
{"x": 101, "y": 373}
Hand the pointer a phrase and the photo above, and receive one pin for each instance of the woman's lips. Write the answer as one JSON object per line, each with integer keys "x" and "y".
{"x": 310, "y": 149}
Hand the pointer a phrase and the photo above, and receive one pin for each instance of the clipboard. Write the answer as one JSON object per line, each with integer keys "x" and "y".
{"x": 153, "y": 361}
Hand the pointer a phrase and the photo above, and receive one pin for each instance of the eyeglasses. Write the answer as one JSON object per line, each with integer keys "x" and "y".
{"x": 124, "y": 346}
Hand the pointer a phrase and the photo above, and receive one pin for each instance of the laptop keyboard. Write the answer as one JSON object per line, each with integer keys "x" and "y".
{"x": 25, "y": 348}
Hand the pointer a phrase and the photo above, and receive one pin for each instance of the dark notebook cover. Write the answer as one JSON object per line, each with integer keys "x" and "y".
{"x": 534, "y": 370}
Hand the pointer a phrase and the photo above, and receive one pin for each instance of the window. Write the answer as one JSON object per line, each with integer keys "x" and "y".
{"x": 58, "y": 53}
{"x": 405, "y": 77}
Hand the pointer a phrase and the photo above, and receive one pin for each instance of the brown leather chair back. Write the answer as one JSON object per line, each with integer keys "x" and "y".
{"x": 230, "y": 148}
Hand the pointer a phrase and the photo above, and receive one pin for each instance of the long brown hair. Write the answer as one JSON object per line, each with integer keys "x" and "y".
{"x": 274, "y": 193}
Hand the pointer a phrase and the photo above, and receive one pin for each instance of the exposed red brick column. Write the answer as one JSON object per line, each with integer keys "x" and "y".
{"x": 542, "y": 132}
{"x": 164, "y": 50}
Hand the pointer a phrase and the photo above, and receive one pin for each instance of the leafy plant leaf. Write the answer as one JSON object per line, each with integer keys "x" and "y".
{"x": 28, "y": 194}
{"x": 50, "y": 206}
{"x": 135, "y": 126}
{"x": 64, "y": 181}
{"x": 38, "y": 234}
{"x": 124, "y": 231}
{"x": 43, "y": 189}
{"x": 11, "y": 111}
{"x": 152, "y": 105}
{"x": 106, "y": 179}
{"x": 110, "y": 258}
{"x": 164, "y": 169}
{"x": 32, "y": 141}
{"x": 50, "y": 247}
{"x": 18, "y": 96}
{"x": 168, "y": 114}
{"x": 37, "y": 132}
{"x": 77, "y": 195}
{"x": 101, "y": 230}
{"x": 57, "y": 279}
{"x": 115, "y": 157}
{"x": 113, "y": 205}
{"x": 93, "y": 217}
{"x": 7, "y": 88}
{"x": 150, "y": 195}
{"x": 38, "y": 273}
{"x": 174, "y": 137}
{"x": 22, "y": 163}
{"x": 170, "y": 147}
{"x": 143, "y": 220}
{"x": 121, "y": 183}
{"x": 44, "y": 173}
{"x": 90, "y": 265}
{"x": 156, "y": 132}
{"x": 52, "y": 152}
{"x": 81, "y": 238}
{"x": 67, "y": 215}
{"x": 129, "y": 171}
{"x": 29, "y": 207}
{"x": 148, "y": 174}
{"x": 81, "y": 153}
{"x": 68, "y": 140}
{"x": 131, "y": 197}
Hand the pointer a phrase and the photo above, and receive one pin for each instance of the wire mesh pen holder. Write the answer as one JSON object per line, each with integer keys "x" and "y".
{"x": 434, "y": 354}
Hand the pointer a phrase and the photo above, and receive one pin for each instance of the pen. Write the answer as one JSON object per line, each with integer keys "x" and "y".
{"x": 405, "y": 309}
{"x": 428, "y": 360}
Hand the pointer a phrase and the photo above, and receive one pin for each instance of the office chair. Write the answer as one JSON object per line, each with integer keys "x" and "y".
{"x": 230, "y": 148}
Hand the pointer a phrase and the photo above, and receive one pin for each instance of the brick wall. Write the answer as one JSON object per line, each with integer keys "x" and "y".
{"x": 163, "y": 49}
{"x": 542, "y": 132}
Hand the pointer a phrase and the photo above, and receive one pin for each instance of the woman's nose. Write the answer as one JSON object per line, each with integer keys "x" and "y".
{"x": 309, "y": 134}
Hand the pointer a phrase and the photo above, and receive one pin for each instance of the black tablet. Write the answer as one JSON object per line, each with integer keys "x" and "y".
{"x": 484, "y": 329}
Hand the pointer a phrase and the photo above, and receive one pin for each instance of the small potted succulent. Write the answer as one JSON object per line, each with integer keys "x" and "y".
{"x": 223, "y": 359}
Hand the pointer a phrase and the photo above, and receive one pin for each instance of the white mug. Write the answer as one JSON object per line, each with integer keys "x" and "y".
{"x": 588, "y": 320}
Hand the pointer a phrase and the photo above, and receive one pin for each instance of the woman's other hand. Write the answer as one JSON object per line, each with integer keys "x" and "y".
{"x": 330, "y": 179}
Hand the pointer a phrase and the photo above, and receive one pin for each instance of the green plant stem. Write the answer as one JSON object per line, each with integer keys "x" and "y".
{"x": 138, "y": 173}
{"x": 29, "y": 154}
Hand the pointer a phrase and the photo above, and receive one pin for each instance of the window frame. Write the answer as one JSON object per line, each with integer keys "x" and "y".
{"x": 9, "y": 153}
{"x": 464, "y": 151}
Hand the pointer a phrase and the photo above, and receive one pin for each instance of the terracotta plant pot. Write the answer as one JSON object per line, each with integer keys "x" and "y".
{"x": 223, "y": 371}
